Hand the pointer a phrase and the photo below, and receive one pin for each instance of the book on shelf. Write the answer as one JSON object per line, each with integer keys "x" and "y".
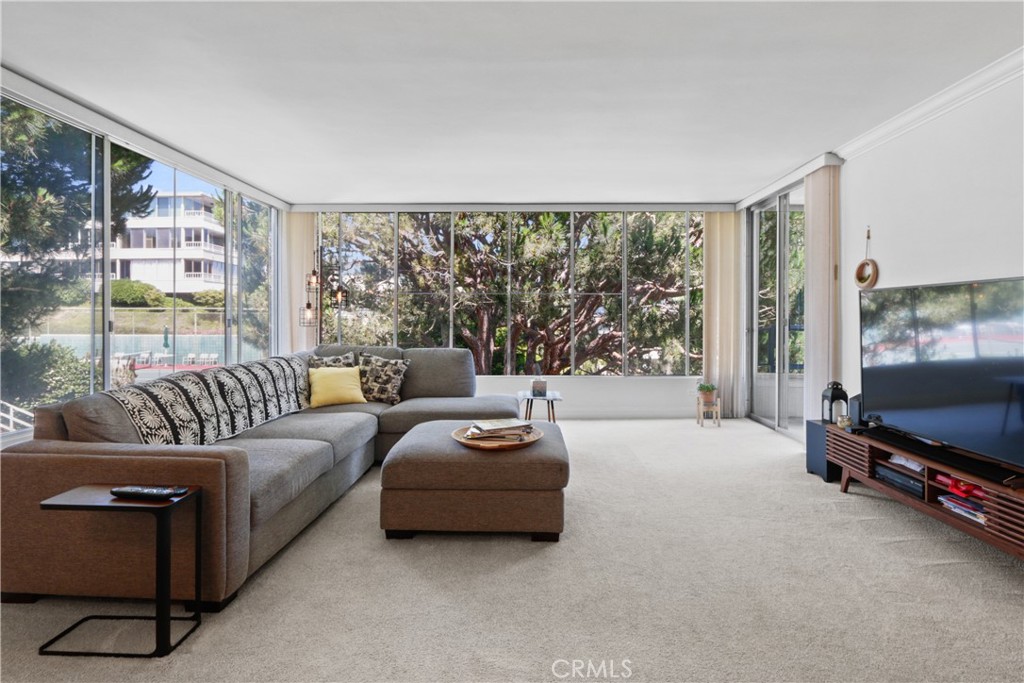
{"x": 963, "y": 508}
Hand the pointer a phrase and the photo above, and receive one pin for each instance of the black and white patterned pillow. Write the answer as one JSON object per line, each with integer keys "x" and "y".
{"x": 381, "y": 378}
{"x": 345, "y": 360}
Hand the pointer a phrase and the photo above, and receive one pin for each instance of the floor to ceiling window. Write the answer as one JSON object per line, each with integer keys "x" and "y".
{"x": 527, "y": 292}
{"x": 167, "y": 271}
{"x": 51, "y": 344}
{"x": 175, "y": 245}
{"x": 540, "y": 320}
{"x": 777, "y": 343}
{"x": 252, "y": 277}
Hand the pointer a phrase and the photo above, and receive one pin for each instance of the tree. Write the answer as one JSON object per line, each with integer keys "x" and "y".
{"x": 35, "y": 373}
{"x": 509, "y": 279}
{"x": 47, "y": 220}
{"x": 50, "y": 232}
{"x": 254, "y": 274}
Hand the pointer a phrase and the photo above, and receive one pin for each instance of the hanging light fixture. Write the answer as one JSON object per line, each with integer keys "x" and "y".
{"x": 338, "y": 292}
{"x": 308, "y": 314}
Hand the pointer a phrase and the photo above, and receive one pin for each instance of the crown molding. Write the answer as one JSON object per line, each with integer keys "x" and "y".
{"x": 788, "y": 181}
{"x": 996, "y": 74}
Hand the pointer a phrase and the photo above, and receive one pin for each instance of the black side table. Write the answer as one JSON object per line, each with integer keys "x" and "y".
{"x": 97, "y": 498}
{"x": 816, "y": 462}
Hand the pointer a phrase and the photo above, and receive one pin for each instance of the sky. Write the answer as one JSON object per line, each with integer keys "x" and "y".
{"x": 162, "y": 179}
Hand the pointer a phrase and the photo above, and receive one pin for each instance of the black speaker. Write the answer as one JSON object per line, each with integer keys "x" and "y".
{"x": 855, "y": 412}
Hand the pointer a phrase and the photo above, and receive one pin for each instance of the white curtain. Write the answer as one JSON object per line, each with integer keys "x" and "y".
{"x": 723, "y": 292}
{"x": 296, "y": 260}
{"x": 821, "y": 215}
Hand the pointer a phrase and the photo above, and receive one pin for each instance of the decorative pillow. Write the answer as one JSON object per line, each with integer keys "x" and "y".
{"x": 334, "y": 386}
{"x": 382, "y": 378}
{"x": 346, "y": 360}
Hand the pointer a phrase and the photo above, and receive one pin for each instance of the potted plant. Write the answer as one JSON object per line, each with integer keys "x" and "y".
{"x": 707, "y": 392}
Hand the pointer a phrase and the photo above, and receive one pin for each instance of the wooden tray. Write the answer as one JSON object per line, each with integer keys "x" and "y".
{"x": 460, "y": 436}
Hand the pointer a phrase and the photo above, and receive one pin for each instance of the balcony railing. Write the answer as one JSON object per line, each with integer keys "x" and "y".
{"x": 13, "y": 418}
{"x": 207, "y": 277}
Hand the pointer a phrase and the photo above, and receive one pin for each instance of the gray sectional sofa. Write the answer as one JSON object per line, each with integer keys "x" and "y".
{"x": 268, "y": 465}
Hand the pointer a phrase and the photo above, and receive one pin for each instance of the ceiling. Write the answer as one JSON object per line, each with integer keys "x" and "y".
{"x": 505, "y": 102}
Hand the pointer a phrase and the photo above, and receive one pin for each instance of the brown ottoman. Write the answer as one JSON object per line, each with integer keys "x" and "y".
{"x": 431, "y": 482}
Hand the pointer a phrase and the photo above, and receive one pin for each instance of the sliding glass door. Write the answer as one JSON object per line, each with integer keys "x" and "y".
{"x": 777, "y": 341}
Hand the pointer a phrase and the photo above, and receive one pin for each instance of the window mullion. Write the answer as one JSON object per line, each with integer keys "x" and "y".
{"x": 686, "y": 290}
{"x": 624, "y": 298}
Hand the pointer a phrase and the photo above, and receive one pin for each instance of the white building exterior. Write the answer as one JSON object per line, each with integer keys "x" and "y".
{"x": 178, "y": 247}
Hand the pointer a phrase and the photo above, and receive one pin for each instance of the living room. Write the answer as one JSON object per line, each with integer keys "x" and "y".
{"x": 689, "y": 553}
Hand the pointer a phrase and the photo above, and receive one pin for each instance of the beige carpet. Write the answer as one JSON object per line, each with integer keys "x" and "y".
{"x": 689, "y": 555}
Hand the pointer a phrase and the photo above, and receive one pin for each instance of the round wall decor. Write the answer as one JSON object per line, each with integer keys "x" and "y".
{"x": 866, "y": 274}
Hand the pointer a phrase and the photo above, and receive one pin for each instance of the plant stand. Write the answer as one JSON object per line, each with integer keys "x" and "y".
{"x": 711, "y": 411}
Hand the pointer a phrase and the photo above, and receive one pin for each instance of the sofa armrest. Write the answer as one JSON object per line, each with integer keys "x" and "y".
{"x": 50, "y": 552}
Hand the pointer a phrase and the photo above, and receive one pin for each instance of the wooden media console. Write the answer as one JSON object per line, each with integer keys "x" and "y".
{"x": 996, "y": 490}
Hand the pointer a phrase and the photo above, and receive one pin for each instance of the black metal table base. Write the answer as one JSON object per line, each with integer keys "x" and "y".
{"x": 94, "y": 498}
{"x": 158, "y": 652}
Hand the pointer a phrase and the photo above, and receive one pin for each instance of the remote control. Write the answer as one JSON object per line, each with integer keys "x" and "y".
{"x": 148, "y": 492}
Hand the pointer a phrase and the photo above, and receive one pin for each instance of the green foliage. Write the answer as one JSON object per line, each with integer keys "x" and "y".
{"x": 507, "y": 281}
{"x": 132, "y": 293}
{"x": 75, "y": 292}
{"x": 706, "y": 387}
{"x": 128, "y": 197}
{"x": 254, "y": 274}
{"x": 209, "y": 298}
{"x": 34, "y": 373}
{"x": 46, "y": 188}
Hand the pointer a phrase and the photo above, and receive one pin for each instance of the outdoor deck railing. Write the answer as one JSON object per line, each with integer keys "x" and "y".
{"x": 13, "y": 418}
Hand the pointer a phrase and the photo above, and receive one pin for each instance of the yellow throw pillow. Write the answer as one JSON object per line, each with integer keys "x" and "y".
{"x": 334, "y": 386}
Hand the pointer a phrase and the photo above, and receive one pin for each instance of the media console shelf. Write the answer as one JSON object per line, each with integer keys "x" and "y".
{"x": 1001, "y": 507}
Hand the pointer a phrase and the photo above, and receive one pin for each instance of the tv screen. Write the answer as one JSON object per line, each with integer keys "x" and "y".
{"x": 946, "y": 363}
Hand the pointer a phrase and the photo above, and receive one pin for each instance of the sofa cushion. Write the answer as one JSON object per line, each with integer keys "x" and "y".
{"x": 261, "y": 390}
{"x": 341, "y": 349}
{"x": 279, "y": 470}
{"x": 382, "y": 377}
{"x": 408, "y": 414}
{"x": 99, "y": 417}
{"x": 374, "y": 408}
{"x": 438, "y": 372}
{"x": 334, "y": 386}
{"x": 344, "y": 431}
{"x": 181, "y": 408}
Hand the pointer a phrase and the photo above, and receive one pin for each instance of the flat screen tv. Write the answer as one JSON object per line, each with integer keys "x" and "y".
{"x": 945, "y": 363}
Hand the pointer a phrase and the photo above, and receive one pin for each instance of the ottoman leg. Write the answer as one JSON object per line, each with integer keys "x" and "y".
{"x": 398, "y": 533}
{"x": 548, "y": 536}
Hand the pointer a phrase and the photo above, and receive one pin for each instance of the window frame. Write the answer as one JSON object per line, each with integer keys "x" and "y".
{"x": 511, "y": 211}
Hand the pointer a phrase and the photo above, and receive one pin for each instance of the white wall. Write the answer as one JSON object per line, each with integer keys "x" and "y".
{"x": 945, "y": 202}
{"x": 607, "y": 397}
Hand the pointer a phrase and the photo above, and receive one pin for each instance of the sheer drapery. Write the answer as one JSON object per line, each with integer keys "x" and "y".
{"x": 821, "y": 207}
{"x": 297, "y": 260}
{"x": 723, "y": 290}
